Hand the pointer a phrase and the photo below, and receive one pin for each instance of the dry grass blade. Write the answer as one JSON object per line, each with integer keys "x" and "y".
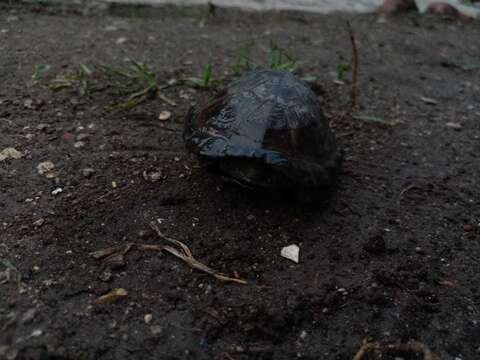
{"x": 200, "y": 266}
{"x": 158, "y": 248}
{"x": 112, "y": 296}
{"x": 111, "y": 251}
{"x": 185, "y": 249}
{"x": 115, "y": 255}
{"x": 183, "y": 252}
{"x": 166, "y": 99}
{"x": 414, "y": 346}
{"x": 117, "y": 259}
{"x": 409, "y": 187}
{"x": 103, "y": 253}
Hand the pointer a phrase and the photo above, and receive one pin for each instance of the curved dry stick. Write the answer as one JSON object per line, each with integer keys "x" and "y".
{"x": 186, "y": 255}
{"x": 409, "y": 187}
{"x": 414, "y": 346}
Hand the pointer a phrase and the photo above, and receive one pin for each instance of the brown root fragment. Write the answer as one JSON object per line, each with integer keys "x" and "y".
{"x": 103, "y": 253}
{"x": 112, "y": 296}
{"x": 413, "y": 346}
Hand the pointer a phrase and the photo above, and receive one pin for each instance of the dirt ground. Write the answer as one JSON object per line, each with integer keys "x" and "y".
{"x": 391, "y": 256}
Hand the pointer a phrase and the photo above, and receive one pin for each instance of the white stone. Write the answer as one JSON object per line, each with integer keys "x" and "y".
{"x": 148, "y": 318}
{"x": 45, "y": 167}
{"x": 291, "y": 252}
{"x": 165, "y": 115}
{"x": 10, "y": 153}
{"x": 453, "y": 125}
{"x": 57, "y": 191}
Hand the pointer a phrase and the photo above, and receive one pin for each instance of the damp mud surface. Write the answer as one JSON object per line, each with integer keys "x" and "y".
{"x": 392, "y": 255}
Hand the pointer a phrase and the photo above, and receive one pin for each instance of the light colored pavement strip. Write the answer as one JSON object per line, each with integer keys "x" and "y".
{"x": 323, "y": 6}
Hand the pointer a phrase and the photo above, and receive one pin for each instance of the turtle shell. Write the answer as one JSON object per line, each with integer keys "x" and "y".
{"x": 266, "y": 129}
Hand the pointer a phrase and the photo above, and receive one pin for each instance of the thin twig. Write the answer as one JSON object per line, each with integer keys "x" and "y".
{"x": 414, "y": 346}
{"x": 353, "y": 92}
{"x": 409, "y": 187}
{"x": 186, "y": 255}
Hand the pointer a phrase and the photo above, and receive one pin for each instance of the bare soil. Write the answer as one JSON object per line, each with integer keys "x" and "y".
{"x": 392, "y": 255}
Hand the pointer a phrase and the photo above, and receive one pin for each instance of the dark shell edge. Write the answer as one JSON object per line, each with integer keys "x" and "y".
{"x": 280, "y": 171}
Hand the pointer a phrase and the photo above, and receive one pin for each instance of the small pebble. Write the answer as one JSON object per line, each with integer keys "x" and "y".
{"x": 148, "y": 318}
{"x": 39, "y": 222}
{"x": 81, "y": 137}
{"x": 429, "y": 101}
{"x": 467, "y": 227}
{"x": 36, "y": 333}
{"x": 291, "y": 252}
{"x": 79, "y": 144}
{"x": 28, "y": 103}
{"x": 45, "y": 167}
{"x": 10, "y": 153}
{"x": 105, "y": 276}
{"x": 165, "y": 115}
{"x": 454, "y": 125}
{"x": 57, "y": 191}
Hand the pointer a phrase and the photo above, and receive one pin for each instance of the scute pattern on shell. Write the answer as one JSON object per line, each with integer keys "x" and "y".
{"x": 266, "y": 129}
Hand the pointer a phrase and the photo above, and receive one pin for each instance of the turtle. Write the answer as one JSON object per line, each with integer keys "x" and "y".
{"x": 266, "y": 130}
